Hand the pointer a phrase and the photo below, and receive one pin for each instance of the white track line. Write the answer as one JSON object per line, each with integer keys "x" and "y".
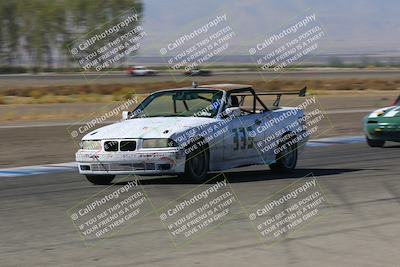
{"x": 38, "y": 169}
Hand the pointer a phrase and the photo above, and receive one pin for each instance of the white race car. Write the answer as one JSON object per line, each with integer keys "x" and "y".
{"x": 140, "y": 71}
{"x": 191, "y": 131}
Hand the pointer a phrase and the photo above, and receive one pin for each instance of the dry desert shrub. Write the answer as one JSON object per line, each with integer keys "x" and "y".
{"x": 120, "y": 92}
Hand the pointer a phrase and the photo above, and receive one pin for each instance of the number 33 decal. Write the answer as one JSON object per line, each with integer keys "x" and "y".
{"x": 241, "y": 140}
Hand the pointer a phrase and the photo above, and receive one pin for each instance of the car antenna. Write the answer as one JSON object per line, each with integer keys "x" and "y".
{"x": 194, "y": 84}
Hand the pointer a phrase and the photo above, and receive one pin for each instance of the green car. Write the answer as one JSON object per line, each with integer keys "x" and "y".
{"x": 383, "y": 125}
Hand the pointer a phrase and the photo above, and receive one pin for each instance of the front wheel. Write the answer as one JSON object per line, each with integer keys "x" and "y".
{"x": 197, "y": 162}
{"x": 375, "y": 143}
{"x": 286, "y": 159}
{"x": 100, "y": 179}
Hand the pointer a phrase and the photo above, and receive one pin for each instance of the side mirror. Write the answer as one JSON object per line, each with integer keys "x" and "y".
{"x": 232, "y": 112}
{"x": 126, "y": 115}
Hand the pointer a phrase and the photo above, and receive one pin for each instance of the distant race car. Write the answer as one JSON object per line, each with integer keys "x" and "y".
{"x": 383, "y": 125}
{"x": 191, "y": 131}
{"x": 140, "y": 71}
{"x": 198, "y": 72}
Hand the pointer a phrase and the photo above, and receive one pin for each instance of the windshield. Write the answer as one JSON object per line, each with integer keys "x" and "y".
{"x": 180, "y": 103}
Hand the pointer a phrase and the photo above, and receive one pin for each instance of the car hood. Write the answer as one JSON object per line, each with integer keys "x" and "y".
{"x": 387, "y": 112}
{"x": 157, "y": 127}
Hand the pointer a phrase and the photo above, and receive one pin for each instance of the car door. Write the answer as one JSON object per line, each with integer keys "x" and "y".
{"x": 240, "y": 141}
{"x": 269, "y": 130}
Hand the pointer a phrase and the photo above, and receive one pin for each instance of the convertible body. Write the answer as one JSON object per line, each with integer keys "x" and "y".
{"x": 190, "y": 131}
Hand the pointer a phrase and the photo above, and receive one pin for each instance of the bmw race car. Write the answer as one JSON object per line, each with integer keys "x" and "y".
{"x": 383, "y": 125}
{"x": 191, "y": 131}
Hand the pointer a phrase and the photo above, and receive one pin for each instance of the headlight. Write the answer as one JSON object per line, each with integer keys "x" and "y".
{"x": 158, "y": 143}
{"x": 91, "y": 145}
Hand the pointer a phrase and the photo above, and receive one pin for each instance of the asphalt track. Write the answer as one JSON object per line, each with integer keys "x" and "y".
{"x": 361, "y": 228}
{"x": 24, "y": 80}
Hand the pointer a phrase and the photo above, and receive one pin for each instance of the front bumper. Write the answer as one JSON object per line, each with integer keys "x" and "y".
{"x": 383, "y": 131}
{"x": 141, "y": 162}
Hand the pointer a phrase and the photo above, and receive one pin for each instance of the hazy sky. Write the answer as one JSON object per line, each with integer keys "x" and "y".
{"x": 350, "y": 26}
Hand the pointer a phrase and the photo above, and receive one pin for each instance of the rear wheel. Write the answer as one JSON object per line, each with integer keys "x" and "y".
{"x": 196, "y": 167}
{"x": 100, "y": 179}
{"x": 286, "y": 159}
{"x": 375, "y": 143}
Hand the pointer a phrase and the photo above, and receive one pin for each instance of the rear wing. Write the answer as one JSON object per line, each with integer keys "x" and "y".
{"x": 301, "y": 93}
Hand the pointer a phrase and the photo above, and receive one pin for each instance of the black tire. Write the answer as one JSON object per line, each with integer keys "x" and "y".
{"x": 197, "y": 163}
{"x": 375, "y": 143}
{"x": 286, "y": 160}
{"x": 100, "y": 179}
